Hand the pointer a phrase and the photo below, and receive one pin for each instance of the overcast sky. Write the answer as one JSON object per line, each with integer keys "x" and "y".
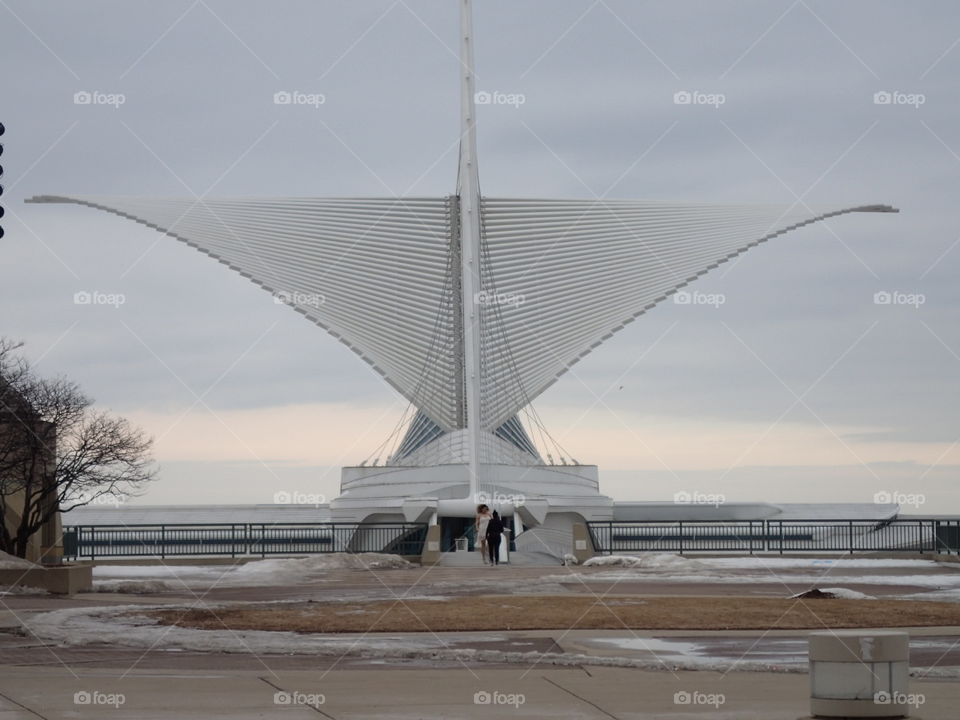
{"x": 799, "y": 387}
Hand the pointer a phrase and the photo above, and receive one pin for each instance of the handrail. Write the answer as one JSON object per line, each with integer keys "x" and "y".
{"x": 847, "y": 535}
{"x": 166, "y": 540}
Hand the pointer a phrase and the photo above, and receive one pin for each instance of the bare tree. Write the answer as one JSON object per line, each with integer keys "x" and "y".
{"x": 57, "y": 452}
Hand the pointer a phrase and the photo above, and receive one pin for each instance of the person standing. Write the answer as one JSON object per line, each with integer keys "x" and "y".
{"x": 480, "y": 525}
{"x": 494, "y": 536}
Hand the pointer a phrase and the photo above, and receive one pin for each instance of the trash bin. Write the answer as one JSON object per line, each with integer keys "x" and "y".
{"x": 462, "y": 544}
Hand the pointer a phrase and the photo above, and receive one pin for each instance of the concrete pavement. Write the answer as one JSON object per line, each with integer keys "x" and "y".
{"x": 97, "y": 680}
{"x": 402, "y": 693}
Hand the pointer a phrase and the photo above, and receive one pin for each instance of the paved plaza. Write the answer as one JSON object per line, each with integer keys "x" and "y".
{"x": 77, "y": 656}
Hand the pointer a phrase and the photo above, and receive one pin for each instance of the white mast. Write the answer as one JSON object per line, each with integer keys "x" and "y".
{"x": 470, "y": 279}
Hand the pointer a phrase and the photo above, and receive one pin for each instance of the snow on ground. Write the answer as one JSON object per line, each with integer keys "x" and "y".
{"x": 11, "y": 562}
{"x": 124, "y": 627}
{"x": 651, "y": 561}
{"x": 649, "y": 567}
{"x": 135, "y": 587}
{"x": 256, "y": 573}
{"x": 950, "y": 595}
{"x": 754, "y": 561}
{"x": 667, "y": 568}
{"x": 116, "y": 626}
{"x": 839, "y": 592}
{"x": 934, "y": 582}
{"x": 22, "y": 590}
{"x": 848, "y": 594}
{"x": 692, "y": 654}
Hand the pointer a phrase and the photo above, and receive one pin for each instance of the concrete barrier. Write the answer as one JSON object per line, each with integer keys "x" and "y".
{"x": 431, "y": 546}
{"x": 583, "y": 548}
{"x": 859, "y": 674}
{"x": 58, "y": 579}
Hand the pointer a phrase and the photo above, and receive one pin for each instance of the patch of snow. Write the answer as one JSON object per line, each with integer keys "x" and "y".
{"x": 939, "y": 582}
{"x": 22, "y": 590}
{"x": 12, "y": 562}
{"x": 133, "y": 587}
{"x": 273, "y": 571}
{"x": 295, "y": 570}
{"x": 652, "y": 561}
{"x": 952, "y": 595}
{"x": 667, "y": 568}
{"x": 614, "y": 561}
{"x": 665, "y": 648}
{"x": 848, "y": 594}
{"x": 122, "y": 626}
{"x": 757, "y": 561}
{"x": 839, "y": 592}
{"x": 153, "y": 572}
{"x": 115, "y": 626}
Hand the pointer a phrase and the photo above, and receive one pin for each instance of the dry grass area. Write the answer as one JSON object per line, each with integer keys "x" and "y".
{"x": 562, "y": 612}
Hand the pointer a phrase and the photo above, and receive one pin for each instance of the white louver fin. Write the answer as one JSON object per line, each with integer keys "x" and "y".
{"x": 372, "y": 272}
{"x": 561, "y": 276}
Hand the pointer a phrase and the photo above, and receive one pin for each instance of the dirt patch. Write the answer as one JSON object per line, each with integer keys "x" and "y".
{"x": 563, "y": 612}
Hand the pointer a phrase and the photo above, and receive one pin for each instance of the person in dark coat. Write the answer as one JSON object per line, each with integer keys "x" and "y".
{"x": 494, "y": 535}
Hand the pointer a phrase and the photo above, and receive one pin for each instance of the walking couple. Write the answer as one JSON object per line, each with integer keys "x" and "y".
{"x": 489, "y": 529}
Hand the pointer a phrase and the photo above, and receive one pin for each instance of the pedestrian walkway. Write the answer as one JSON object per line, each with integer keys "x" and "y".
{"x": 402, "y": 693}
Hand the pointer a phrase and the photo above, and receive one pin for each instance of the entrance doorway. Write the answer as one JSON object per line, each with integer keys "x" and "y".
{"x": 452, "y": 528}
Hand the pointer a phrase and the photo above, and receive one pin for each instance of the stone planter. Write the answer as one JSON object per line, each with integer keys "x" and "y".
{"x": 58, "y": 579}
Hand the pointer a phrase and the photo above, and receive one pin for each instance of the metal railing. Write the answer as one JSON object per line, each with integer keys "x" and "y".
{"x": 90, "y": 542}
{"x": 778, "y": 536}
